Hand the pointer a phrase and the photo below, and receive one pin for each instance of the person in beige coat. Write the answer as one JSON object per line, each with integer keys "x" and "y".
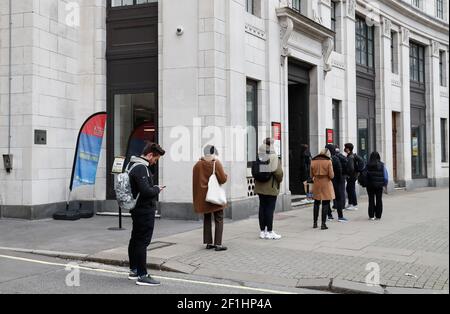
{"x": 201, "y": 174}
{"x": 268, "y": 191}
{"x": 323, "y": 191}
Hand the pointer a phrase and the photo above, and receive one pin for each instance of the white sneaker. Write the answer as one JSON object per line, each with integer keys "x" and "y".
{"x": 352, "y": 208}
{"x": 263, "y": 235}
{"x": 273, "y": 236}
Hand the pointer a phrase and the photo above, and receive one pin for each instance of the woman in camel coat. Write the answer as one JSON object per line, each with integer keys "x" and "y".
{"x": 323, "y": 192}
{"x": 201, "y": 174}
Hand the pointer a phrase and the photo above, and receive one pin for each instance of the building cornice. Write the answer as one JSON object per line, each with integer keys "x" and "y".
{"x": 293, "y": 20}
{"x": 305, "y": 25}
{"x": 416, "y": 14}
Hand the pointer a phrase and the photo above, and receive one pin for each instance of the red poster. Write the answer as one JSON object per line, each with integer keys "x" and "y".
{"x": 276, "y": 134}
{"x": 330, "y": 136}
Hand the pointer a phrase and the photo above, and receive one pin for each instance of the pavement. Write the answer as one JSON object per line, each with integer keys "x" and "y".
{"x": 408, "y": 250}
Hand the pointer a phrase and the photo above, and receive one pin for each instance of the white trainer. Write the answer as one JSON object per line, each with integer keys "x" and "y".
{"x": 263, "y": 235}
{"x": 273, "y": 236}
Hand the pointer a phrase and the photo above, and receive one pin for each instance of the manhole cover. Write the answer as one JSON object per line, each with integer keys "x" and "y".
{"x": 158, "y": 245}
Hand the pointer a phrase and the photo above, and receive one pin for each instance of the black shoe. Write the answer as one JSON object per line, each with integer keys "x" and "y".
{"x": 315, "y": 225}
{"x": 210, "y": 247}
{"x": 324, "y": 227}
{"x": 147, "y": 281}
{"x": 133, "y": 275}
{"x": 221, "y": 248}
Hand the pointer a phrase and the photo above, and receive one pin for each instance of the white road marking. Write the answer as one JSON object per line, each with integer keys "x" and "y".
{"x": 157, "y": 277}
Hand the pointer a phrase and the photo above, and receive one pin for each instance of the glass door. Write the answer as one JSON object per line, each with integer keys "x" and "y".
{"x": 135, "y": 123}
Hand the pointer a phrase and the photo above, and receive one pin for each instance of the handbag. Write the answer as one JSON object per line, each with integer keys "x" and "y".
{"x": 216, "y": 193}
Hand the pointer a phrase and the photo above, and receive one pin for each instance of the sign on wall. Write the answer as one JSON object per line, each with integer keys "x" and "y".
{"x": 276, "y": 134}
{"x": 330, "y": 136}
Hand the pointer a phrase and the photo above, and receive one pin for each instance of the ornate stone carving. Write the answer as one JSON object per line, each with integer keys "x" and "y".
{"x": 351, "y": 7}
{"x": 289, "y": 25}
{"x": 405, "y": 36}
{"x": 387, "y": 26}
{"x": 328, "y": 46}
{"x": 436, "y": 46}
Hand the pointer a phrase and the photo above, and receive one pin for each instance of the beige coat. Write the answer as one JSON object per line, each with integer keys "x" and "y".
{"x": 202, "y": 172}
{"x": 322, "y": 174}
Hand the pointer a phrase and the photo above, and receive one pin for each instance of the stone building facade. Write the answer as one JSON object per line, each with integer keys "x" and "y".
{"x": 374, "y": 73}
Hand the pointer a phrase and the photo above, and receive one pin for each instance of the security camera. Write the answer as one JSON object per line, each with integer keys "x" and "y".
{"x": 180, "y": 30}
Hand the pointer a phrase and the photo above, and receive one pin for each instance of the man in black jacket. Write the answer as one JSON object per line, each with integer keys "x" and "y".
{"x": 338, "y": 184}
{"x": 143, "y": 215}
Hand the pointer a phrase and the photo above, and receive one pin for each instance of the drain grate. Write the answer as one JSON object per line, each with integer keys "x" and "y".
{"x": 158, "y": 245}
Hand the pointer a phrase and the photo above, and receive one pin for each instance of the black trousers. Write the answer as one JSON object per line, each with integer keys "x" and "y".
{"x": 375, "y": 202}
{"x": 339, "y": 201}
{"x": 325, "y": 210}
{"x": 141, "y": 237}
{"x": 351, "y": 191}
{"x": 267, "y": 205}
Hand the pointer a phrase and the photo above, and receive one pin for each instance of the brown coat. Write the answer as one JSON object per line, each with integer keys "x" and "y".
{"x": 202, "y": 171}
{"x": 322, "y": 174}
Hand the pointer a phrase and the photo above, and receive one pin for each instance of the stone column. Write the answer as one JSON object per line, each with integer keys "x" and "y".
{"x": 404, "y": 153}
{"x": 349, "y": 133}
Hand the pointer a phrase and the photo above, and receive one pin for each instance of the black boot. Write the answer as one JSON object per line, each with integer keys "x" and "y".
{"x": 324, "y": 227}
{"x": 316, "y": 213}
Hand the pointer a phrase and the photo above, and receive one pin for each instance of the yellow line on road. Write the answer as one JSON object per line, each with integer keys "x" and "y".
{"x": 72, "y": 266}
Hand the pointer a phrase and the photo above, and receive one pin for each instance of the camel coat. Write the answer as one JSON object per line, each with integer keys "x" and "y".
{"x": 202, "y": 171}
{"x": 322, "y": 174}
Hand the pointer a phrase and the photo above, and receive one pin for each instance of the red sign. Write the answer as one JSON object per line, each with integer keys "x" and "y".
{"x": 276, "y": 133}
{"x": 276, "y": 129}
{"x": 330, "y": 136}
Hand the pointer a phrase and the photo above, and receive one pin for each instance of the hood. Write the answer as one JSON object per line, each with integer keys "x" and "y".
{"x": 331, "y": 148}
{"x": 139, "y": 160}
{"x": 321, "y": 157}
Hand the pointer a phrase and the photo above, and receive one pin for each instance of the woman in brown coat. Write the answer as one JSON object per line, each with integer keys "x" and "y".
{"x": 322, "y": 174}
{"x": 202, "y": 172}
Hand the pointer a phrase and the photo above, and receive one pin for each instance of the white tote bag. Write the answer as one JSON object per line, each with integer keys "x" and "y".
{"x": 216, "y": 192}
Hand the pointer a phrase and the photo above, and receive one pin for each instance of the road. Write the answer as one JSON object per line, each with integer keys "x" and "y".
{"x": 31, "y": 274}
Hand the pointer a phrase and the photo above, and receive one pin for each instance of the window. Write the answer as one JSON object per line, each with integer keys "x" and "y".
{"x": 444, "y": 155}
{"x": 418, "y": 143}
{"x": 252, "y": 121}
{"x": 333, "y": 21}
{"x": 394, "y": 52}
{"x": 296, "y": 5}
{"x": 364, "y": 43}
{"x": 122, "y": 3}
{"x": 250, "y": 6}
{"x": 417, "y": 63}
{"x": 416, "y": 3}
{"x": 442, "y": 68}
{"x": 336, "y": 121}
{"x": 440, "y": 9}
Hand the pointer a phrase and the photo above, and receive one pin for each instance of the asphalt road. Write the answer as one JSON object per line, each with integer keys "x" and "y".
{"x": 32, "y": 274}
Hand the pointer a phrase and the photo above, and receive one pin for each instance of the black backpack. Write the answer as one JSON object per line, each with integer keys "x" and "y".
{"x": 344, "y": 164}
{"x": 360, "y": 164}
{"x": 257, "y": 174}
{"x": 363, "y": 178}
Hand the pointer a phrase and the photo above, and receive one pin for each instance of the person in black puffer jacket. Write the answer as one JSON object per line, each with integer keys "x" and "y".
{"x": 377, "y": 179}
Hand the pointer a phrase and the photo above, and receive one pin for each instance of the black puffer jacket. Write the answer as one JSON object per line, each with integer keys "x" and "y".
{"x": 141, "y": 183}
{"x": 375, "y": 175}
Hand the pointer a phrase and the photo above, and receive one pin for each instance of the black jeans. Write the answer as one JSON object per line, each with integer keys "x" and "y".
{"x": 375, "y": 202}
{"x": 267, "y": 205}
{"x": 351, "y": 191}
{"x": 339, "y": 201}
{"x": 141, "y": 237}
{"x": 325, "y": 210}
